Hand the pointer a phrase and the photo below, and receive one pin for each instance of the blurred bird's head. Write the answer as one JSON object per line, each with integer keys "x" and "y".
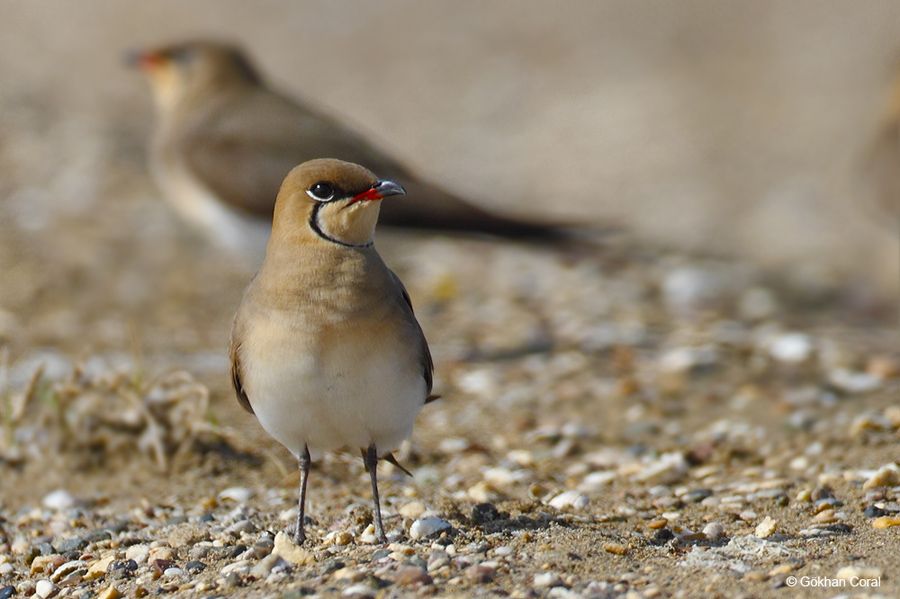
{"x": 330, "y": 201}
{"x": 190, "y": 71}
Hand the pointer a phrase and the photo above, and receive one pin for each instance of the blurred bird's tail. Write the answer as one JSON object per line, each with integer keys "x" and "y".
{"x": 429, "y": 207}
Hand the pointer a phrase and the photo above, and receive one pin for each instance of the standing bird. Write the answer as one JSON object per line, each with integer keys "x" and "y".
{"x": 326, "y": 350}
{"x": 225, "y": 140}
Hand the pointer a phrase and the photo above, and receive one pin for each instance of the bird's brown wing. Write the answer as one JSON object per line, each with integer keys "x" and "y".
{"x": 427, "y": 361}
{"x": 235, "y": 357}
{"x": 244, "y": 148}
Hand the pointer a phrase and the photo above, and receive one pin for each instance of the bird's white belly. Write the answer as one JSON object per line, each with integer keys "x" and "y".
{"x": 242, "y": 234}
{"x": 352, "y": 397}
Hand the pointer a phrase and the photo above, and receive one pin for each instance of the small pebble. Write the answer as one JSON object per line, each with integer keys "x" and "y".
{"x": 261, "y": 570}
{"x": 286, "y": 548}
{"x": 44, "y": 589}
{"x": 437, "y": 559}
{"x": 714, "y": 531}
{"x": 884, "y": 367}
{"x": 160, "y": 553}
{"x": 349, "y": 574}
{"x": 412, "y": 510}
{"x": 411, "y": 576}
{"x": 194, "y": 566}
{"x": 123, "y": 569}
{"x": 111, "y": 592}
{"x": 766, "y": 528}
{"x": 697, "y": 495}
{"x": 199, "y": 552}
{"x": 825, "y": 516}
{"x": 241, "y": 526}
{"x": 662, "y": 536}
{"x": 546, "y": 580}
{"x": 59, "y": 500}
{"x": 570, "y": 500}
{"x": 854, "y": 382}
{"x": 822, "y": 492}
{"x": 886, "y": 476}
{"x": 480, "y": 573}
{"x": 98, "y": 568}
{"x": 231, "y": 580}
{"x": 427, "y": 527}
{"x": 159, "y": 566}
{"x": 236, "y": 494}
{"x": 70, "y": 544}
{"x": 358, "y": 591}
{"x": 46, "y": 563}
{"x": 139, "y": 553}
{"x": 596, "y": 481}
{"x": 66, "y": 569}
{"x": 886, "y": 522}
{"x": 367, "y": 536}
{"x": 781, "y": 570}
{"x": 873, "y": 511}
{"x": 791, "y": 348}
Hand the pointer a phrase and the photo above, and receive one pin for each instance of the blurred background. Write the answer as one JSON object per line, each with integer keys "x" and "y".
{"x": 722, "y": 127}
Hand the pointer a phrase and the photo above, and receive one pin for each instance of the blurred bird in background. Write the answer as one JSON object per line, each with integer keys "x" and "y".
{"x": 881, "y": 161}
{"x": 225, "y": 140}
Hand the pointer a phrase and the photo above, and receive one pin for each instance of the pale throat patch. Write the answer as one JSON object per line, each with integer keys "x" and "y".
{"x": 352, "y": 225}
{"x": 167, "y": 88}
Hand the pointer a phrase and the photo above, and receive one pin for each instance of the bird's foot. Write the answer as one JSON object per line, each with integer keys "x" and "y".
{"x": 298, "y": 535}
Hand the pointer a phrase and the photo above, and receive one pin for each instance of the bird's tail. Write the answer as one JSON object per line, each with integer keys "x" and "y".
{"x": 430, "y": 207}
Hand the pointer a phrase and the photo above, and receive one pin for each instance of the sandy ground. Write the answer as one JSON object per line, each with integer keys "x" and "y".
{"x": 646, "y": 414}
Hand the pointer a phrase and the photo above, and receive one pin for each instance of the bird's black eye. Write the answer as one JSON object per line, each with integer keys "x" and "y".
{"x": 321, "y": 191}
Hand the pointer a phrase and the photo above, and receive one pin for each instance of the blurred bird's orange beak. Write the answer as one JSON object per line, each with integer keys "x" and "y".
{"x": 145, "y": 61}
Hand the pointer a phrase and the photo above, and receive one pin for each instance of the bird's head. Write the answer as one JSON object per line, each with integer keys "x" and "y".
{"x": 330, "y": 201}
{"x": 189, "y": 71}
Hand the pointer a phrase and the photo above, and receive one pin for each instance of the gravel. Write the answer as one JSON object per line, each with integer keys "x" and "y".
{"x": 606, "y": 427}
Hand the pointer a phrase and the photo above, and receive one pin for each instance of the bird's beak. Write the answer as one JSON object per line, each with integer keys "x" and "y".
{"x": 385, "y": 188}
{"x": 382, "y": 189}
{"x": 145, "y": 61}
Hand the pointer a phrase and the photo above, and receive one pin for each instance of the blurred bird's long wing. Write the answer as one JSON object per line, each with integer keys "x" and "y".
{"x": 244, "y": 148}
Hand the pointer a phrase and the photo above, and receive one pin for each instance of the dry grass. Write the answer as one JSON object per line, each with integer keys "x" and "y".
{"x": 95, "y": 416}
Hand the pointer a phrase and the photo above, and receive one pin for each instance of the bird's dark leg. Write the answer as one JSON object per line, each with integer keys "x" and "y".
{"x": 370, "y": 459}
{"x": 305, "y": 461}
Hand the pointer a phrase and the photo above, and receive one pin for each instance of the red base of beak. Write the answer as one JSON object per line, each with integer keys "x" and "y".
{"x": 369, "y": 195}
